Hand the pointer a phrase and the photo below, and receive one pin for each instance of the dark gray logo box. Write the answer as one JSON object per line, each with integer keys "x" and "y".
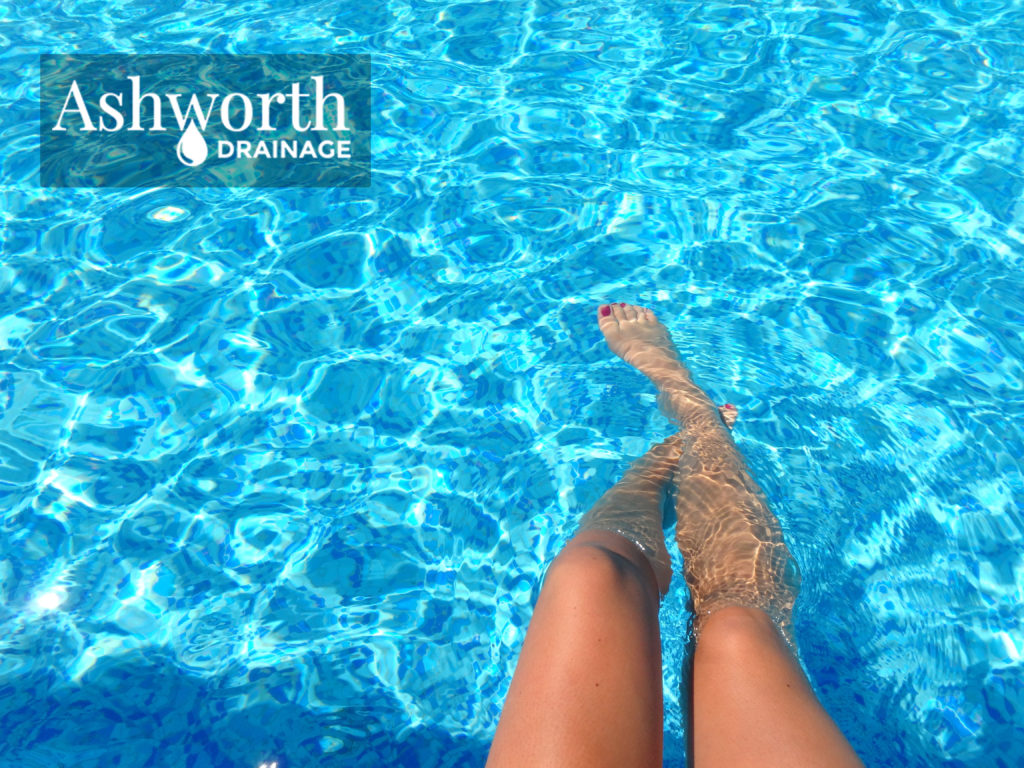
{"x": 300, "y": 120}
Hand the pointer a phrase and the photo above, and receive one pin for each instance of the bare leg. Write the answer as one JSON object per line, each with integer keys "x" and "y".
{"x": 752, "y": 703}
{"x": 587, "y": 690}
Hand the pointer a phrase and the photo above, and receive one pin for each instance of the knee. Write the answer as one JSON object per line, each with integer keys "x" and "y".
{"x": 591, "y": 566}
{"x": 737, "y": 631}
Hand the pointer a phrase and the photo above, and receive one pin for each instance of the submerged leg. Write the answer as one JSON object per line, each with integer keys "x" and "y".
{"x": 587, "y": 689}
{"x": 632, "y": 507}
{"x": 752, "y": 704}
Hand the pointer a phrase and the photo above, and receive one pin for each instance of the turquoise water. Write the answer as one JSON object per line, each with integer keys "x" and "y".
{"x": 280, "y": 469}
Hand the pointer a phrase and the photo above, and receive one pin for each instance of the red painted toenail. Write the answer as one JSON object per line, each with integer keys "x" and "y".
{"x": 622, "y": 303}
{"x": 605, "y": 310}
{"x": 730, "y": 407}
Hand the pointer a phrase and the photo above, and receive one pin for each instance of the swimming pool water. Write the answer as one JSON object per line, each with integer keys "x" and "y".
{"x": 280, "y": 469}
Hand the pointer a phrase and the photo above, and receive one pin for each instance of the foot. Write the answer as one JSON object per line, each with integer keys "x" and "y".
{"x": 728, "y": 413}
{"x": 638, "y": 337}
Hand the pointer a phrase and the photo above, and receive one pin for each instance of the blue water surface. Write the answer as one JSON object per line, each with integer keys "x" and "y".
{"x": 280, "y": 469}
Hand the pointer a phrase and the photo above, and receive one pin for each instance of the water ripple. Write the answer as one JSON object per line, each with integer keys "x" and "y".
{"x": 281, "y": 468}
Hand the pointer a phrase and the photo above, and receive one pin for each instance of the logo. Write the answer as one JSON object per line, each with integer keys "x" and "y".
{"x": 204, "y": 120}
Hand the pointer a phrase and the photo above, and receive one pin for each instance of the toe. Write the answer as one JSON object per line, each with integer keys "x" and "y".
{"x": 619, "y": 312}
{"x": 630, "y": 312}
{"x": 605, "y": 316}
{"x": 647, "y": 315}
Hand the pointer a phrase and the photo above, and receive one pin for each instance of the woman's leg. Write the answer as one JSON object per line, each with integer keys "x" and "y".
{"x": 752, "y": 704}
{"x": 587, "y": 690}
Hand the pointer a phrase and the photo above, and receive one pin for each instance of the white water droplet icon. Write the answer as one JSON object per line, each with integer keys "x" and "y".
{"x": 192, "y": 149}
